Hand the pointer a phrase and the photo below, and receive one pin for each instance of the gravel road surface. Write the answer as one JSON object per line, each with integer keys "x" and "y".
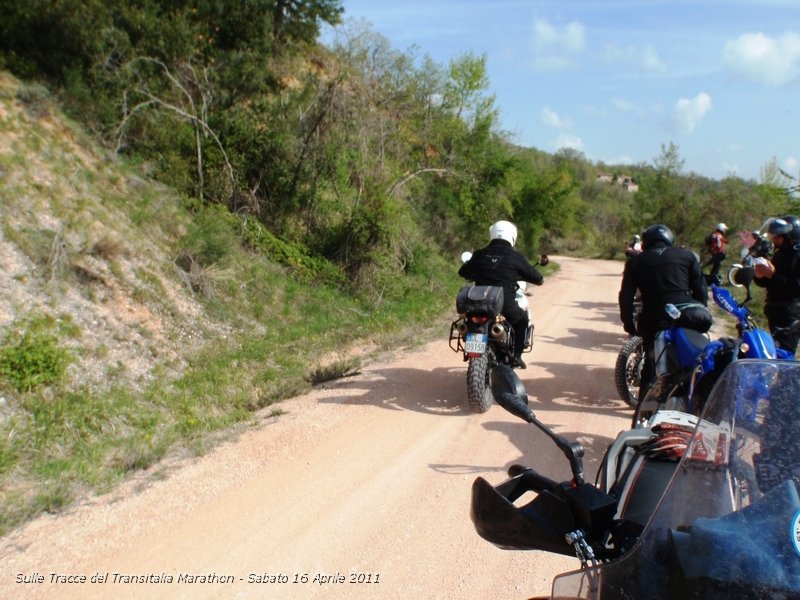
{"x": 361, "y": 490}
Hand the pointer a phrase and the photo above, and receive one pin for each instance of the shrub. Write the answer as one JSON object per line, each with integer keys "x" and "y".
{"x": 32, "y": 359}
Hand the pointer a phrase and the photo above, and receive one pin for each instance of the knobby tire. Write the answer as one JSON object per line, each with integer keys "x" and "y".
{"x": 627, "y": 371}
{"x": 479, "y": 391}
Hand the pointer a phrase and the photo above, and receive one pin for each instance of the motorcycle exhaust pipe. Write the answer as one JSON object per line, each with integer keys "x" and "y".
{"x": 498, "y": 332}
{"x": 462, "y": 327}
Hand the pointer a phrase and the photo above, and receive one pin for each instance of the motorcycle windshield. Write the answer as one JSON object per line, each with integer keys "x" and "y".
{"x": 728, "y": 525}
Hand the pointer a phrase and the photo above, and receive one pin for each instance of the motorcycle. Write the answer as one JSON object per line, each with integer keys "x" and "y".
{"x": 674, "y": 356}
{"x": 485, "y": 337}
{"x": 718, "y": 513}
{"x": 751, "y": 342}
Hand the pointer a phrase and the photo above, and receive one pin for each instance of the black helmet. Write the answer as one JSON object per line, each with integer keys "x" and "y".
{"x": 788, "y": 226}
{"x": 657, "y": 233}
{"x": 779, "y": 226}
{"x": 794, "y": 234}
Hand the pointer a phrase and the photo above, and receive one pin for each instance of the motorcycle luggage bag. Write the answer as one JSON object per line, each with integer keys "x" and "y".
{"x": 695, "y": 317}
{"x": 486, "y": 299}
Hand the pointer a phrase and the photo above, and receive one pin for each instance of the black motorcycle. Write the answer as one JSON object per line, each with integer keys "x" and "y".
{"x": 485, "y": 337}
{"x": 689, "y": 508}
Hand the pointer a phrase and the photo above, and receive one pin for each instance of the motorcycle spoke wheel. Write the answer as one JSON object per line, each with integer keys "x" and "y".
{"x": 628, "y": 370}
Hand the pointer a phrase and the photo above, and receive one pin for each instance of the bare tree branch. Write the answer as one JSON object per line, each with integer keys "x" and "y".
{"x": 198, "y": 117}
{"x": 416, "y": 173}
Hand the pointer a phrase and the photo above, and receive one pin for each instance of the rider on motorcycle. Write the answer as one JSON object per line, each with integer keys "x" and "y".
{"x": 664, "y": 274}
{"x": 499, "y": 264}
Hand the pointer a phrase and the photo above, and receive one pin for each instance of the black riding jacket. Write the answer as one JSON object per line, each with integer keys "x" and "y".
{"x": 664, "y": 275}
{"x": 783, "y": 289}
{"x": 501, "y": 265}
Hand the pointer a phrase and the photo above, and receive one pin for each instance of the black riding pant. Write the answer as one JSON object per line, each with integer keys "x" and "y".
{"x": 518, "y": 318}
{"x": 783, "y": 316}
{"x": 716, "y": 263}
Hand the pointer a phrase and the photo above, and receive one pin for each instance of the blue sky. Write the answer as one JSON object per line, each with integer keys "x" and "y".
{"x": 616, "y": 79}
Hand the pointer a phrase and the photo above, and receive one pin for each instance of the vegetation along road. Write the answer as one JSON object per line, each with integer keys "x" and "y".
{"x": 361, "y": 490}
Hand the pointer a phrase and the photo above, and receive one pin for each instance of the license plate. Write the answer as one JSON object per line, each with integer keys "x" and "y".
{"x": 475, "y": 343}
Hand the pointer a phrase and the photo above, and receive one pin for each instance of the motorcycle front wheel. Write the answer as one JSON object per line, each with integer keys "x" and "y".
{"x": 628, "y": 370}
{"x": 479, "y": 390}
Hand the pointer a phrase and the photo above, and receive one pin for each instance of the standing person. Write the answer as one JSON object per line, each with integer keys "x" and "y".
{"x": 780, "y": 277}
{"x": 664, "y": 275}
{"x": 634, "y": 246}
{"x": 717, "y": 244}
{"x": 499, "y": 264}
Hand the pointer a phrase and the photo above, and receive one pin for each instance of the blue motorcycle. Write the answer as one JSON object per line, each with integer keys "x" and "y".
{"x": 688, "y": 364}
{"x": 751, "y": 342}
{"x": 674, "y": 356}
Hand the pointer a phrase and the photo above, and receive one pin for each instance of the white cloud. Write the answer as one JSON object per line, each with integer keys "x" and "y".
{"x": 774, "y": 61}
{"x": 555, "y": 48}
{"x": 689, "y": 112}
{"x": 791, "y": 165}
{"x": 552, "y": 119}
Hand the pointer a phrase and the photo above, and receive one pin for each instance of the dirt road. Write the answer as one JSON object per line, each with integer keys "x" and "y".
{"x": 360, "y": 491}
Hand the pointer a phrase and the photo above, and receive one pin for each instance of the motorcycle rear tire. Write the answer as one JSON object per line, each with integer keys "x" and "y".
{"x": 479, "y": 390}
{"x": 628, "y": 370}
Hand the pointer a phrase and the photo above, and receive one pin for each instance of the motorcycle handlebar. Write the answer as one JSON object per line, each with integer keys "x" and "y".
{"x": 524, "y": 479}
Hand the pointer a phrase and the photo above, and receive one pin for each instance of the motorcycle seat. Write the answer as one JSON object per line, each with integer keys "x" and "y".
{"x": 690, "y": 344}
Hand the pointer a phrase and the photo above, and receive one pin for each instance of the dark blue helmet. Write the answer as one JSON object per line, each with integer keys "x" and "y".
{"x": 788, "y": 226}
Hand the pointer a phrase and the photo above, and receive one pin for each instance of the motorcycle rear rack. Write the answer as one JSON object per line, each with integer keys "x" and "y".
{"x": 456, "y": 341}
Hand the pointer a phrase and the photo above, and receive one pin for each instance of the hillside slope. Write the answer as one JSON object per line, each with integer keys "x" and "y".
{"x": 135, "y": 323}
{"x": 89, "y": 263}
{"x": 69, "y": 249}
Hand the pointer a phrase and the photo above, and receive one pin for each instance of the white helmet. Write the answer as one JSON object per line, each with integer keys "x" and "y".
{"x": 722, "y": 227}
{"x": 503, "y": 230}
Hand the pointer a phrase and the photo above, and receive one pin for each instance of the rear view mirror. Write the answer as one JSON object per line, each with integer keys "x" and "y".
{"x": 509, "y": 392}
